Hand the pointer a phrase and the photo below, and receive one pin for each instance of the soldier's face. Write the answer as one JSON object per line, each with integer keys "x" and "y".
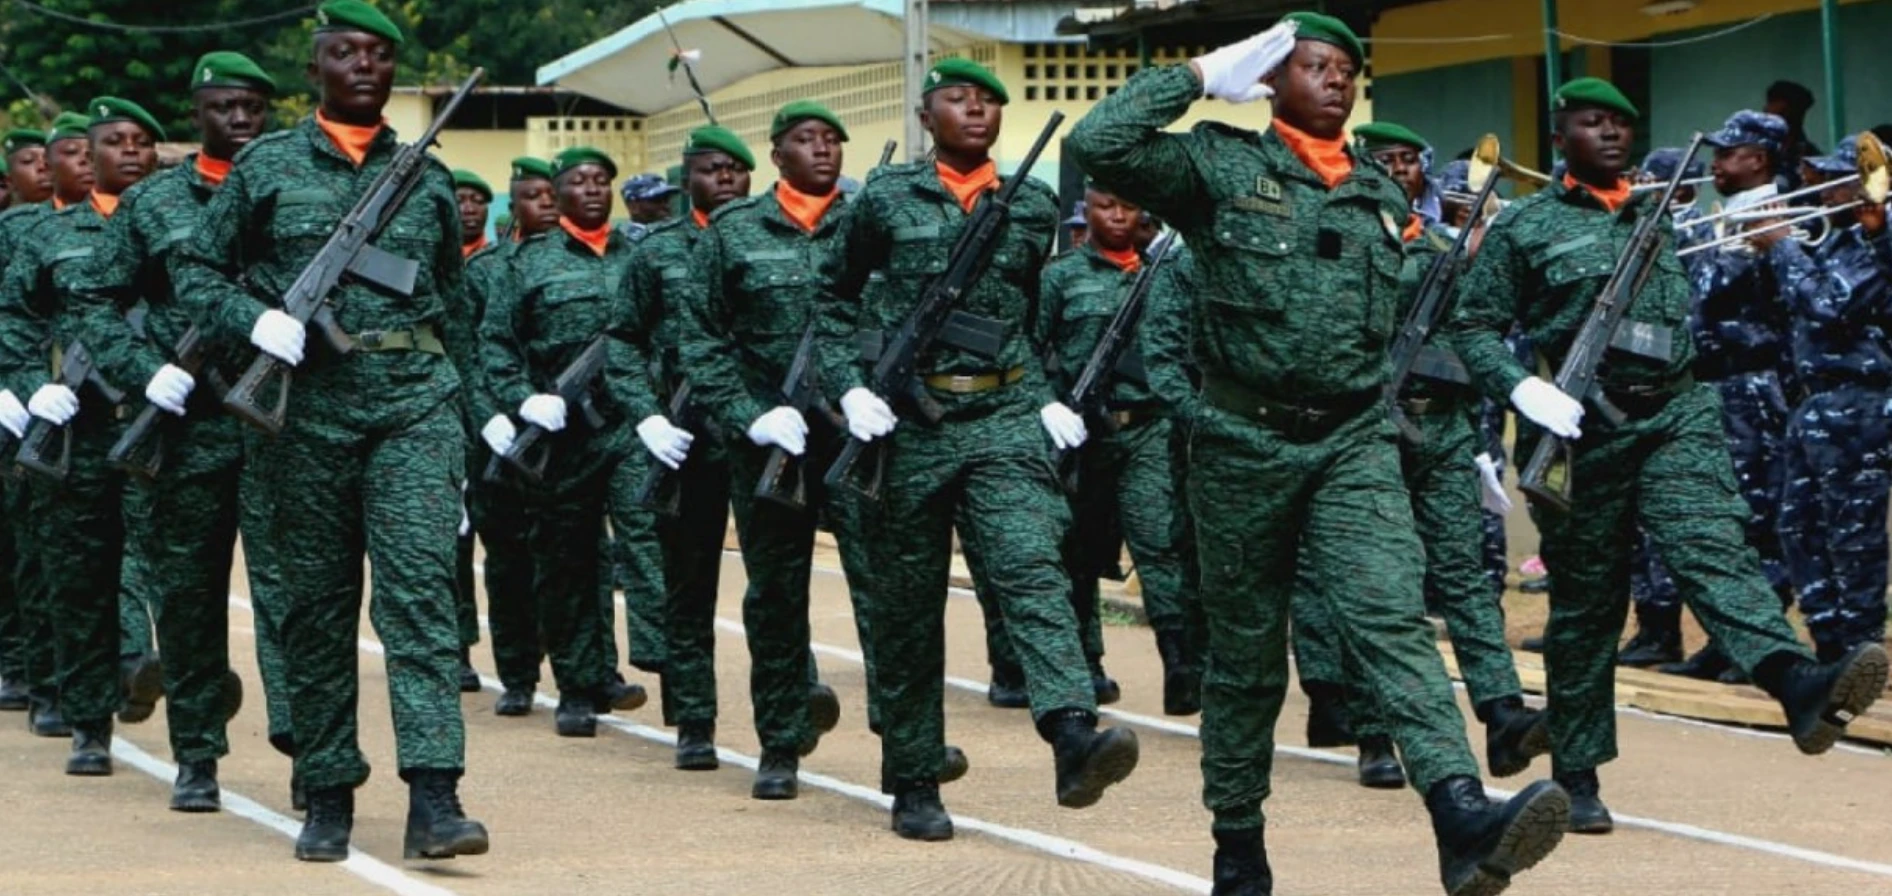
{"x": 715, "y": 178}
{"x": 584, "y": 196}
{"x": 472, "y": 205}
{"x": 1403, "y": 162}
{"x": 123, "y": 153}
{"x": 1456, "y": 214}
{"x": 1315, "y": 88}
{"x": 650, "y": 211}
{"x": 355, "y": 72}
{"x": 1595, "y": 142}
{"x": 964, "y": 120}
{"x": 534, "y": 210}
{"x": 1738, "y": 168}
{"x": 1110, "y": 221}
{"x": 72, "y": 169}
{"x": 29, "y": 176}
{"x": 229, "y": 118}
{"x": 809, "y": 157}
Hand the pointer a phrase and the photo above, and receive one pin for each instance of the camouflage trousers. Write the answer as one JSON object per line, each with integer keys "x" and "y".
{"x": 81, "y": 525}
{"x": 692, "y": 544}
{"x": 12, "y": 634}
{"x": 1669, "y": 473}
{"x": 268, "y": 601}
{"x": 636, "y": 561}
{"x": 1127, "y": 479}
{"x": 1754, "y": 418}
{"x": 1333, "y": 512}
{"x": 988, "y": 466}
{"x": 1833, "y": 515}
{"x": 137, "y": 585}
{"x": 498, "y": 513}
{"x": 335, "y": 493}
{"x": 565, "y": 531}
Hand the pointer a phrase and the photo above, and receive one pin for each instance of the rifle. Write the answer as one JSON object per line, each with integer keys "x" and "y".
{"x": 75, "y": 371}
{"x": 782, "y": 480}
{"x": 659, "y": 492}
{"x": 346, "y": 252}
{"x": 886, "y": 153}
{"x": 896, "y": 372}
{"x": 1088, "y": 394}
{"x": 137, "y": 451}
{"x": 1547, "y": 476}
{"x": 572, "y": 384}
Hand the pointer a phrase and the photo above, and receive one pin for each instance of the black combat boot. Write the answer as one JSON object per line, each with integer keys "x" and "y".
{"x": 917, "y": 812}
{"x": 1658, "y": 640}
{"x": 44, "y": 718}
{"x": 325, "y": 831}
{"x": 1007, "y": 690}
{"x": 437, "y": 828}
{"x": 1483, "y": 844}
{"x": 13, "y": 696}
{"x": 1820, "y": 699}
{"x": 954, "y": 766}
{"x": 298, "y": 794}
{"x": 1705, "y": 664}
{"x": 514, "y": 702}
{"x": 230, "y": 693}
{"x": 469, "y": 676}
{"x": 696, "y": 746}
{"x": 1088, "y": 760}
{"x": 1327, "y": 722}
{"x": 91, "y": 750}
{"x": 1514, "y": 735}
{"x": 1103, "y": 686}
{"x": 617, "y": 694}
{"x": 1182, "y": 681}
{"x": 1241, "y": 864}
{"x": 141, "y": 681}
{"x": 1378, "y": 766}
{"x": 775, "y": 777}
{"x": 1588, "y": 815}
{"x": 824, "y": 708}
{"x": 576, "y": 716}
{"x": 196, "y": 788}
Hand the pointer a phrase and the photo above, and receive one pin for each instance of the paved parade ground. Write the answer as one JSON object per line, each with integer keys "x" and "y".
{"x": 1700, "y": 809}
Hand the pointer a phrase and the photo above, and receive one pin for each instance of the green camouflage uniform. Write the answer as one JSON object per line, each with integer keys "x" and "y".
{"x": 746, "y": 315}
{"x": 268, "y": 601}
{"x": 1298, "y": 289}
{"x": 987, "y": 456}
{"x": 137, "y": 590}
{"x": 558, "y": 296}
{"x": 1174, "y": 378}
{"x": 26, "y": 640}
{"x": 373, "y": 453}
{"x": 79, "y": 521}
{"x": 1666, "y": 468}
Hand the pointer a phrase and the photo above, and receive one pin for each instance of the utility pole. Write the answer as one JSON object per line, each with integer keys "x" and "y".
{"x": 1835, "y": 85}
{"x": 917, "y": 64}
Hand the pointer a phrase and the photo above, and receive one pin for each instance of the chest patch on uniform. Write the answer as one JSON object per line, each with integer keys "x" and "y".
{"x": 1269, "y": 199}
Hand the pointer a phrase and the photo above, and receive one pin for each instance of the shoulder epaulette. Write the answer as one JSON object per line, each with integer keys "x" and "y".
{"x": 664, "y": 226}
{"x": 731, "y": 206}
{"x": 269, "y": 139}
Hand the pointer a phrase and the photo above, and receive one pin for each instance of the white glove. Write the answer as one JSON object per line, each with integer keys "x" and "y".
{"x": 54, "y": 404}
{"x": 868, "y": 417}
{"x": 666, "y": 442}
{"x": 1065, "y": 426}
{"x": 169, "y": 387}
{"x": 1234, "y": 72}
{"x": 280, "y": 335}
{"x": 499, "y": 433}
{"x": 1549, "y": 407}
{"x": 13, "y": 414}
{"x": 1495, "y": 500}
{"x": 466, "y": 515}
{"x": 782, "y": 427}
{"x": 546, "y": 412}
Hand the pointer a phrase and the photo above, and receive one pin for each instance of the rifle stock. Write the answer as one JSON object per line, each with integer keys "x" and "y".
{"x": 76, "y": 371}
{"x": 660, "y": 492}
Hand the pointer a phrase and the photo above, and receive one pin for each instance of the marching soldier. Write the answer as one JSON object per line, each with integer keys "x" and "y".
{"x": 29, "y": 186}
{"x": 372, "y": 452}
{"x": 472, "y": 196}
{"x": 69, "y": 158}
{"x": 1665, "y": 468}
{"x": 1293, "y": 466}
{"x": 986, "y": 456}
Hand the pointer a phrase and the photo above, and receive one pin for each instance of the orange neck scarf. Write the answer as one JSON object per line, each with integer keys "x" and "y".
{"x": 804, "y": 209}
{"x": 1326, "y": 158}
{"x": 701, "y": 217}
{"x": 213, "y": 171}
{"x": 1612, "y": 198}
{"x": 352, "y": 140}
{"x": 1415, "y": 228}
{"x": 59, "y": 203}
{"x": 104, "y": 203}
{"x": 595, "y": 240}
{"x": 967, "y": 187}
{"x": 467, "y": 249}
{"x": 1125, "y": 259}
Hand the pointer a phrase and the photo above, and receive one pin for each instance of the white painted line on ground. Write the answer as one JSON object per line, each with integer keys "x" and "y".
{"x": 359, "y": 863}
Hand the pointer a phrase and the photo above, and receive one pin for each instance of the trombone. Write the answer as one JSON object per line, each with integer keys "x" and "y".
{"x": 1875, "y": 182}
{"x": 1657, "y": 185}
{"x": 1488, "y": 159}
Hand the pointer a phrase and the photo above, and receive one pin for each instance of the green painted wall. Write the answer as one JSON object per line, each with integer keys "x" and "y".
{"x": 1452, "y": 107}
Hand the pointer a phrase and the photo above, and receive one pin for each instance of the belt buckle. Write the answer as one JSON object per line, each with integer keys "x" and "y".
{"x": 1419, "y": 406}
{"x": 370, "y": 339}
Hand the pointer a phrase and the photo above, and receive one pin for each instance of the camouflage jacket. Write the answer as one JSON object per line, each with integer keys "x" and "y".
{"x": 35, "y": 315}
{"x": 662, "y": 276}
{"x": 281, "y": 201}
{"x": 904, "y": 223}
{"x": 486, "y": 275}
{"x": 1297, "y": 284}
{"x": 1541, "y": 265}
{"x": 14, "y": 222}
{"x": 1740, "y": 325}
{"x": 746, "y": 312}
{"x": 1840, "y": 297}
{"x": 555, "y": 297}
{"x": 1166, "y": 338}
{"x": 1082, "y": 292}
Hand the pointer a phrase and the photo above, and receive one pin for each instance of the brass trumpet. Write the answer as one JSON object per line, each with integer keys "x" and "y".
{"x": 1488, "y": 159}
{"x": 1875, "y": 182}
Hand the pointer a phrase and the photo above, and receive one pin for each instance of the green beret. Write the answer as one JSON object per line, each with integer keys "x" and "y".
{"x": 530, "y": 167}
{"x": 1385, "y": 133}
{"x": 222, "y": 68}
{"x": 465, "y": 178}
{"x": 107, "y": 109}
{"x": 1595, "y": 92}
{"x": 582, "y": 155}
{"x": 354, "y": 15}
{"x": 68, "y": 126}
{"x": 956, "y": 71}
{"x": 1328, "y": 30}
{"x": 18, "y": 139}
{"x": 802, "y": 110}
{"x": 716, "y": 138}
